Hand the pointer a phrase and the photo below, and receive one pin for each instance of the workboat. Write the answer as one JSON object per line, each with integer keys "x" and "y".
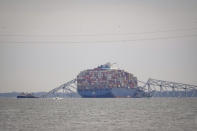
{"x": 26, "y": 95}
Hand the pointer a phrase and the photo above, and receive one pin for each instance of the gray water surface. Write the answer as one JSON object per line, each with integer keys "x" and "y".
{"x": 116, "y": 114}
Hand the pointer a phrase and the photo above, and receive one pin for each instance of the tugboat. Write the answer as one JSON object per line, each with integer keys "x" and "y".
{"x": 26, "y": 95}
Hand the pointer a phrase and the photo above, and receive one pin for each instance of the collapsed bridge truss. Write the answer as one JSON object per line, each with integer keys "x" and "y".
{"x": 154, "y": 87}
{"x": 166, "y": 88}
{"x": 64, "y": 90}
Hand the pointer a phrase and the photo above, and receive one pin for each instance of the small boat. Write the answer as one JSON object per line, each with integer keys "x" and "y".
{"x": 26, "y": 95}
{"x": 57, "y": 98}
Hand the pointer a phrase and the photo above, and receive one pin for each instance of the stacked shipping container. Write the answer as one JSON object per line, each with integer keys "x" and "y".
{"x": 105, "y": 78}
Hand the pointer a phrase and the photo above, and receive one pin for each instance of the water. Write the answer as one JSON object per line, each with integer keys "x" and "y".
{"x": 174, "y": 114}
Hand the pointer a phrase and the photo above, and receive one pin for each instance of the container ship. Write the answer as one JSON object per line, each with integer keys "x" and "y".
{"x": 105, "y": 82}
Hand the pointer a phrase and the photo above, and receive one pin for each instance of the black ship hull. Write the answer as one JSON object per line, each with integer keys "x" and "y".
{"x": 27, "y": 97}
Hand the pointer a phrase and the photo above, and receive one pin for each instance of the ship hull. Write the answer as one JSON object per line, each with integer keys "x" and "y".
{"x": 112, "y": 93}
{"x": 26, "y": 97}
{"x": 95, "y": 93}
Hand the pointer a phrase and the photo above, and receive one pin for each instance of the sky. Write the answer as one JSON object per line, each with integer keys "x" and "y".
{"x": 45, "y": 43}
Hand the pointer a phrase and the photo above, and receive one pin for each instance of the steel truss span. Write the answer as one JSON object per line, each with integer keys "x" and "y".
{"x": 65, "y": 90}
{"x": 153, "y": 87}
{"x": 161, "y": 88}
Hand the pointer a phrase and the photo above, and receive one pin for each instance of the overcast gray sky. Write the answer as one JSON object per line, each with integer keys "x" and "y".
{"x": 44, "y": 43}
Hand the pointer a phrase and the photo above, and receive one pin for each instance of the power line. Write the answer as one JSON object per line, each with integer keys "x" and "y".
{"x": 103, "y": 34}
{"x": 111, "y": 41}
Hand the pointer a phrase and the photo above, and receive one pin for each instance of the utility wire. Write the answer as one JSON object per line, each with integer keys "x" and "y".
{"x": 111, "y": 41}
{"x": 104, "y": 34}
